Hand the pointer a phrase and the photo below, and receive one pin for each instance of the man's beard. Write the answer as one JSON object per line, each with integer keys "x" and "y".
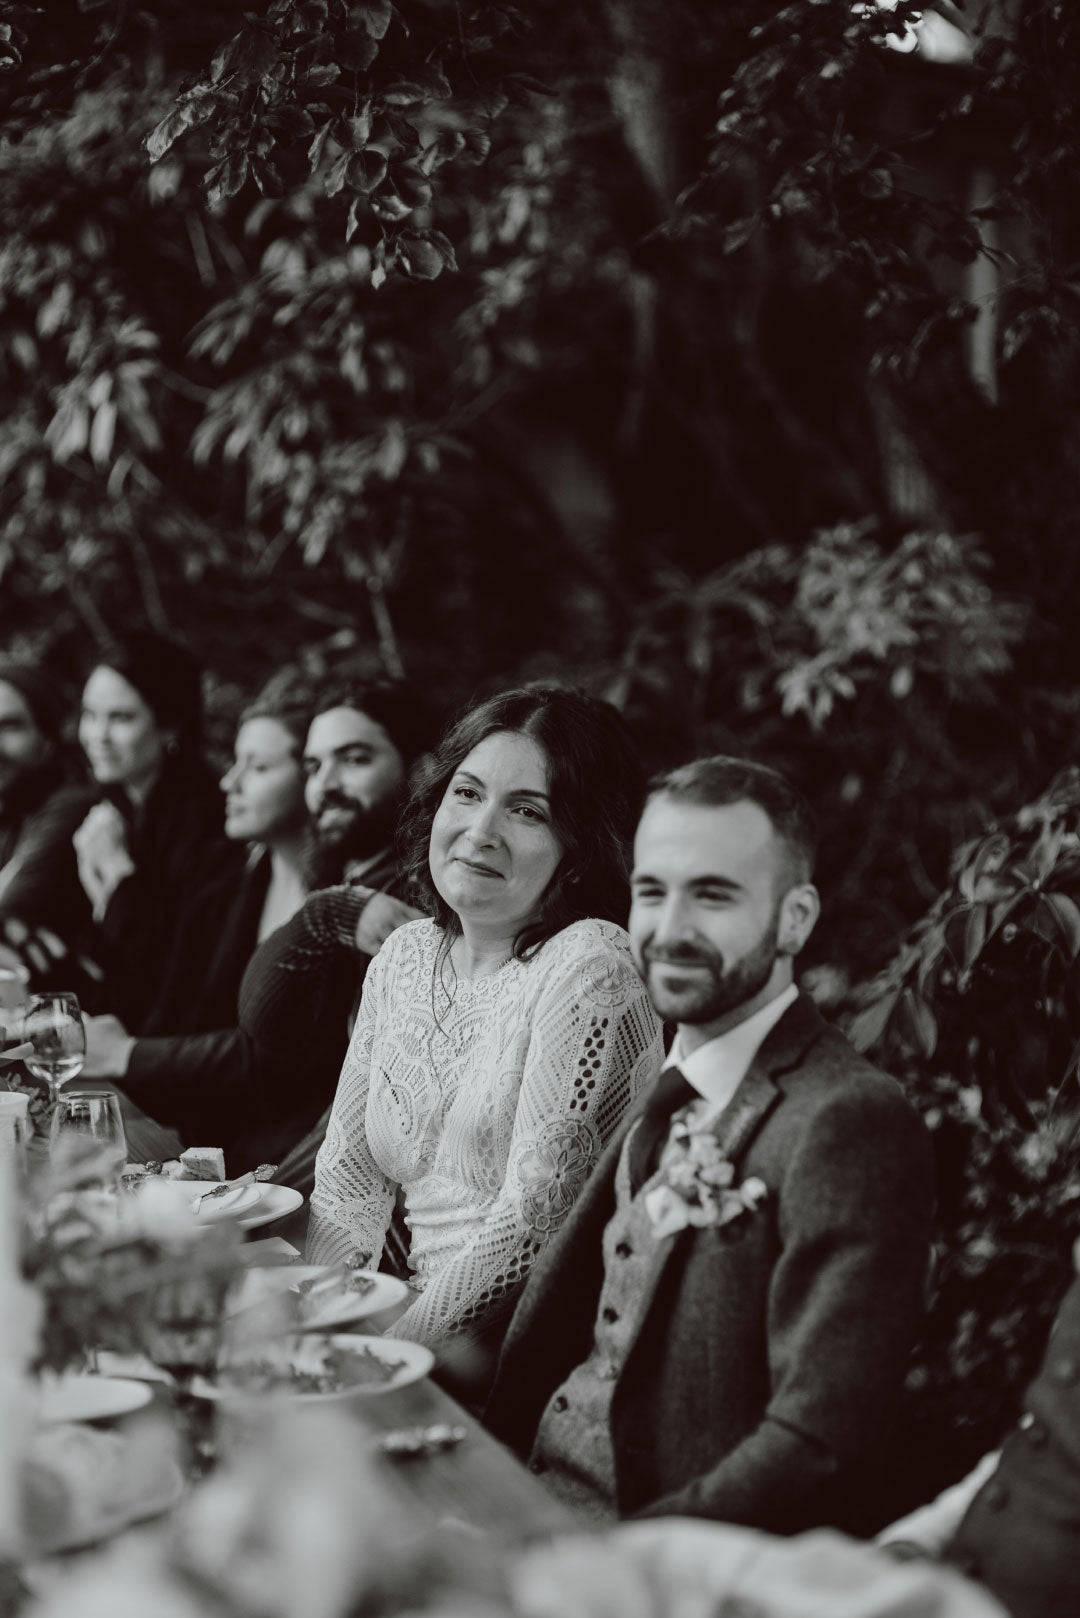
{"x": 705, "y": 999}
{"x": 366, "y": 833}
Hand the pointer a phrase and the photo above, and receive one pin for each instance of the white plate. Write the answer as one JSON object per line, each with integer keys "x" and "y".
{"x": 411, "y": 1360}
{"x": 275, "y": 1201}
{"x": 337, "y": 1307}
{"x": 78, "y": 1396}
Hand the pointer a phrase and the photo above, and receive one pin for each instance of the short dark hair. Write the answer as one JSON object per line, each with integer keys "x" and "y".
{"x": 716, "y": 782}
{"x": 596, "y": 785}
{"x": 407, "y": 716}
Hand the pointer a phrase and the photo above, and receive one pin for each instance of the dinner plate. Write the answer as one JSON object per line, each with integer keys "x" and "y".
{"x": 82, "y": 1396}
{"x": 340, "y": 1306}
{"x": 409, "y": 1361}
{"x": 275, "y": 1201}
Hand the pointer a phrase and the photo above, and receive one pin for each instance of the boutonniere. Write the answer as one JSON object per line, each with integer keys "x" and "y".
{"x": 696, "y": 1184}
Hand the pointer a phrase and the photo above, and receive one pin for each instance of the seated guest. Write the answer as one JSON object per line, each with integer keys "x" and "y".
{"x": 300, "y": 993}
{"x": 722, "y": 1325}
{"x": 257, "y": 1083}
{"x": 499, "y": 1043}
{"x": 34, "y": 778}
{"x": 1014, "y": 1524}
{"x": 218, "y": 933}
{"x": 31, "y": 760}
{"x": 150, "y": 834}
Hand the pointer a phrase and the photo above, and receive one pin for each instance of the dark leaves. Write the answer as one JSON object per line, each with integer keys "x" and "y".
{"x": 225, "y": 179}
{"x": 373, "y": 16}
{"x": 365, "y": 170}
{"x": 425, "y": 254}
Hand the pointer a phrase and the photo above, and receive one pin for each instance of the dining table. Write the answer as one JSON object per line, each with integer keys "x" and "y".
{"x": 477, "y": 1482}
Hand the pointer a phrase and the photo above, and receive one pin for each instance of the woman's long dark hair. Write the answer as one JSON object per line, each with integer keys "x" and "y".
{"x": 167, "y": 678}
{"x": 596, "y": 785}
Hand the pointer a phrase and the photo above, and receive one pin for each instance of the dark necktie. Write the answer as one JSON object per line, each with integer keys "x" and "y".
{"x": 671, "y": 1092}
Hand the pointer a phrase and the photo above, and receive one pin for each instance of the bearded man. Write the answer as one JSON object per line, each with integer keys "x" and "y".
{"x": 263, "y": 1087}
{"x": 722, "y": 1326}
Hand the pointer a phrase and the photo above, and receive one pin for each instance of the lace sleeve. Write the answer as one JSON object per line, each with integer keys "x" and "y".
{"x": 594, "y": 1044}
{"x": 352, "y": 1200}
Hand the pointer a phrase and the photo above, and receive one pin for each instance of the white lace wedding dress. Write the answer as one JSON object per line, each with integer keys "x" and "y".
{"x": 488, "y": 1101}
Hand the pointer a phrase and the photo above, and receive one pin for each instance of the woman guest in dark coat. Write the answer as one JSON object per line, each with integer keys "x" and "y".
{"x": 150, "y": 833}
{"x": 221, "y": 927}
{"x": 190, "y": 1052}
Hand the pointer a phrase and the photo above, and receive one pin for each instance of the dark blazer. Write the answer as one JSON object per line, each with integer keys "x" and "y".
{"x": 259, "y": 1085}
{"x": 1021, "y": 1534}
{"x": 179, "y": 848}
{"x": 770, "y": 1358}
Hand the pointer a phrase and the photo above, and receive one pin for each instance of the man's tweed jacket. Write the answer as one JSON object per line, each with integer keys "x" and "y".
{"x": 765, "y": 1377}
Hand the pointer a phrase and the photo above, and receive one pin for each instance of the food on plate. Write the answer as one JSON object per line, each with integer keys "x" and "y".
{"x": 334, "y": 1371}
{"x": 198, "y": 1163}
{"x": 204, "y": 1162}
{"x": 319, "y": 1287}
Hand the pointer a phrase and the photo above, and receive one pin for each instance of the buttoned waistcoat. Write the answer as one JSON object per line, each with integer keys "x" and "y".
{"x": 770, "y": 1356}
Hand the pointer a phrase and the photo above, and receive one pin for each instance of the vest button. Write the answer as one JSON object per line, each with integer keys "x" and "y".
{"x": 560, "y": 1402}
{"x": 609, "y": 1314}
{"x": 1033, "y": 1430}
{"x": 623, "y": 1250}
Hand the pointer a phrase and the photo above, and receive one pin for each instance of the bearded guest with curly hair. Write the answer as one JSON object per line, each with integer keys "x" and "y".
{"x": 499, "y": 1042}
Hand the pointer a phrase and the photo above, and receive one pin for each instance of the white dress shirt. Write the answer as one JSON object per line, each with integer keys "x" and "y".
{"x": 716, "y": 1070}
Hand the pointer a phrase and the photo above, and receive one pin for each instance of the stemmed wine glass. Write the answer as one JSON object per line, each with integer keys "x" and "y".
{"x": 183, "y": 1334}
{"x": 53, "y": 1024}
{"x": 86, "y": 1139}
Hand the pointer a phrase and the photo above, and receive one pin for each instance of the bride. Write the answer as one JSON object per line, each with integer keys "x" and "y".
{"x": 498, "y": 1043}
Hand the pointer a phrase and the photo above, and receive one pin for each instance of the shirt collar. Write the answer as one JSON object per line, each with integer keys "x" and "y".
{"x": 717, "y": 1069}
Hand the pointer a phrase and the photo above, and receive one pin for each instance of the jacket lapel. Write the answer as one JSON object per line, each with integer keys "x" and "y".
{"x": 758, "y": 1095}
{"x": 756, "y": 1098}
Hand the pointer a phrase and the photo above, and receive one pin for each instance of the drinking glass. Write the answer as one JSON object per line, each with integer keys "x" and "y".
{"x": 86, "y": 1141}
{"x": 53, "y": 1024}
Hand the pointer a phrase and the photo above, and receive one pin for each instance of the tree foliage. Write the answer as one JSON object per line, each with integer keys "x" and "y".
{"x": 724, "y": 357}
{"x": 979, "y": 1011}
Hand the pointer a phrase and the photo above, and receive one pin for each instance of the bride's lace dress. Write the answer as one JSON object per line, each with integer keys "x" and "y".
{"x": 488, "y": 1101}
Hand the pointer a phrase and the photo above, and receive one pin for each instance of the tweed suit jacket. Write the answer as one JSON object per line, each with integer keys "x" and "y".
{"x": 770, "y": 1355}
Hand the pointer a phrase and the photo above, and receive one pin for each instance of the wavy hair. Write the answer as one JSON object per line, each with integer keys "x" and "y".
{"x": 596, "y": 786}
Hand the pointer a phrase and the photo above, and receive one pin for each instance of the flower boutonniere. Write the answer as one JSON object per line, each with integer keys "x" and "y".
{"x": 696, "y": 1184}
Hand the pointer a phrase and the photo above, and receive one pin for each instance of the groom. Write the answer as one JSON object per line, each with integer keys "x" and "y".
{"x": 721, "y": 1328}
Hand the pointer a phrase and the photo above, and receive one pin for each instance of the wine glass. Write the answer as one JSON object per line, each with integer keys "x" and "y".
{"x": 183, "y": 1334}
{"x": 86, "y": 1141}
{"x": 53, "y": 1024}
